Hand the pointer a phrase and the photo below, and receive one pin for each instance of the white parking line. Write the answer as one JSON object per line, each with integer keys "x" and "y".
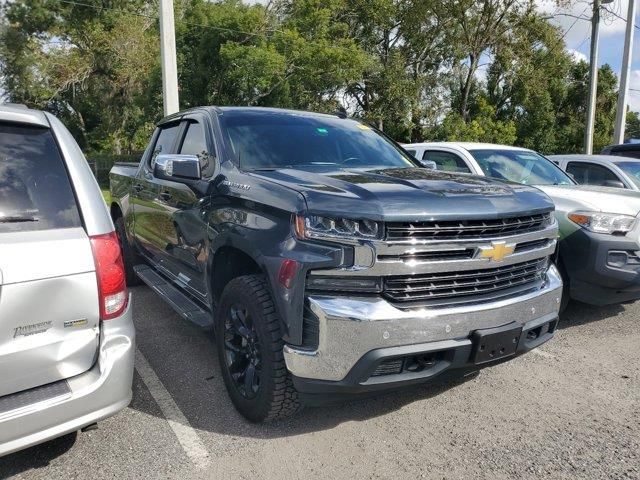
{"x": 187, "y": 436}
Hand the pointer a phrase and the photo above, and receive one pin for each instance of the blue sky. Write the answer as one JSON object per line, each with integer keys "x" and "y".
{"x": 612, "y": 30}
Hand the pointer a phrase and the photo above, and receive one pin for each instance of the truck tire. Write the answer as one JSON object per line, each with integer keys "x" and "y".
{"x": 128, "y": 255}
{"x": 249, "y": 343}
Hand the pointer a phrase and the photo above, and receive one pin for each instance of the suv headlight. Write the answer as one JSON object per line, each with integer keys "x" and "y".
{"x": 316, "y": 226}
{"x": 597, "y": 222}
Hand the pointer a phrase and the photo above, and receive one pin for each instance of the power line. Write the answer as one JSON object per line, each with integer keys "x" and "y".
{"x": 619, "y": 16}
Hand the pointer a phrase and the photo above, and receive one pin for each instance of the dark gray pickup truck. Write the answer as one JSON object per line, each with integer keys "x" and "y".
{"x": 326, "y": 261}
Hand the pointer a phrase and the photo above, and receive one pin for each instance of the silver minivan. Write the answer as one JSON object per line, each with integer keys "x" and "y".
{"x": 67, "y": 342}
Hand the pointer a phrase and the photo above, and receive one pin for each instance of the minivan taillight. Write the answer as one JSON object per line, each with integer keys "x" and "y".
{"x": 112, "y": 286}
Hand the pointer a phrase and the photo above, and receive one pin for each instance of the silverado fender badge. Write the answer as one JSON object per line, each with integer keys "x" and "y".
{"x": 497, "y": 251}
{"x": 33, "y": 329}
{"x": 240, "y": 186}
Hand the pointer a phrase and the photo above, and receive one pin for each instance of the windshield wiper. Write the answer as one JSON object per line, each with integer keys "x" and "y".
{"x": 17, "y": 219}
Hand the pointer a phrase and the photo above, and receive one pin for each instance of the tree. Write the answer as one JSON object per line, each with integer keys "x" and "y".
{"x": 86, "y": 63}
{"x": 632, "y": 129}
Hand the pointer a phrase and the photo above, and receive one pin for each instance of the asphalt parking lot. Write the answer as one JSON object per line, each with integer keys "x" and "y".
{"x": 571, "y": 410}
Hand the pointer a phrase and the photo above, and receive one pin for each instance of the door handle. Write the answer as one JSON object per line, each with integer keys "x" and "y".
{"x": 166, "y": 196}
{"x": 138, "y": 187}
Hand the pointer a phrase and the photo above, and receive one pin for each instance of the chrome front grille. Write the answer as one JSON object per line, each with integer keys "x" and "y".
{"x": 455, "y": 287}
{"x": 466, "y": 229}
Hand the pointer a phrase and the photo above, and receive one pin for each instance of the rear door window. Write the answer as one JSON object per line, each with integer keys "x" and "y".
{"x": 447, "y": 162}
{"x": 590, "y": 173}
{"x": 35, "y": 190}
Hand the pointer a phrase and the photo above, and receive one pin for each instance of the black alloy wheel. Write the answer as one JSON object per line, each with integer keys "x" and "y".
{"x": 249, "y": 343}
{"x": 242, "y": 351}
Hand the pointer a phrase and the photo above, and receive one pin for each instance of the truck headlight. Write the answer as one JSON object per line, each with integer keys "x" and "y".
{"x": 597, "y": 222}
{"x": 316, "y": 226}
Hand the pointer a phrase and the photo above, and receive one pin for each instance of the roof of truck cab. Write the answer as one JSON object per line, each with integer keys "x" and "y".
{"x": 466, "y": 145}
{"x": 267, "y": 110}
{"x": 20, "y": 114}
{"x": 247, "y": 110}
{"x": 603, "y": 158}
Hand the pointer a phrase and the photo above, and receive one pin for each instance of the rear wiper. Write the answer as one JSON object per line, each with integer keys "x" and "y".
{"x": 17, "y": 219}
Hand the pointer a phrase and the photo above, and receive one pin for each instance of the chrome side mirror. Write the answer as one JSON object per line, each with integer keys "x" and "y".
{"x": 177, "y": 167}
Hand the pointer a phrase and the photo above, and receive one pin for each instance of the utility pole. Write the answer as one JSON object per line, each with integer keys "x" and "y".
{"x": 621, "y": 116}
{"x": 168, "y": 58}
{"x": 593, "y": 79}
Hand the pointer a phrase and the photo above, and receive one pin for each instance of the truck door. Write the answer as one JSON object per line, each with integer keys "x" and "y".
{"x": 145, "y": 199}
{"x": 184, "y": 209}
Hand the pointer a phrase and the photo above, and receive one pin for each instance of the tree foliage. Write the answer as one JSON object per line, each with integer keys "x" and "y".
{"x": 483, "y": 70}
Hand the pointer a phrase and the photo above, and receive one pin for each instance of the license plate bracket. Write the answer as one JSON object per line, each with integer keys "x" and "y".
{"x": 492, "y": 344}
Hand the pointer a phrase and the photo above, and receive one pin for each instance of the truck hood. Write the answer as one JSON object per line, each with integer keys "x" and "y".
{"x": 406, "y": 194}
{"x": 569, "y": 198}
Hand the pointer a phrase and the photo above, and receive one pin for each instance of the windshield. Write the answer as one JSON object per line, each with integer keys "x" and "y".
{"x": 632, "y": 169}
{"x": 520, "y": 166}
{"x": 267, "y": 139}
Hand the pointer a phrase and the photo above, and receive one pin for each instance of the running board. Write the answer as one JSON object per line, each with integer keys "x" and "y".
{"x": 181, "y": 303}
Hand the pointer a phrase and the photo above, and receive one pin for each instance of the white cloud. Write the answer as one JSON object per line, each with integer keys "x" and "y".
{"x": 579, "y": 29}
{"x": 576, "y": 55}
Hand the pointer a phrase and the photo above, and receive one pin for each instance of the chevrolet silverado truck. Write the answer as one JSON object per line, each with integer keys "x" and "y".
{"x": 328, "y": 263}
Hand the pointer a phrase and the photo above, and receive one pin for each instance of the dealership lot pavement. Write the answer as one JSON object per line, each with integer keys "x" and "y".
{"x": 571, "y": 410}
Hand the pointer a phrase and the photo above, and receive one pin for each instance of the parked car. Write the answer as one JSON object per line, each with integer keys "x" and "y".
{"x": 334, "y": 270}
{"x": 601, "y": 170}
{"x": 623, "y": 150}
{"x": 66, "y": 332}
{"x": 599, "y": 227}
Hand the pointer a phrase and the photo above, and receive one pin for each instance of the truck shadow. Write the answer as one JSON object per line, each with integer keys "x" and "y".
{"x": 225, "y": 420}
{"x": 578, "y": 313}
{"x": 185, "y": 360}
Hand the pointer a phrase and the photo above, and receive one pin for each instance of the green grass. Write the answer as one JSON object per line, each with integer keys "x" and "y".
{"x": 107, "y": 195}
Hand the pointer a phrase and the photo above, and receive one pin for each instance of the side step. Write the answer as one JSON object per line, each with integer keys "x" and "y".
{"x": 183, "y": 305}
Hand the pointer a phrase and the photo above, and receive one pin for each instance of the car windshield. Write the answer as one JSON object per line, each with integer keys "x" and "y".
{"x": 269, "y": 140}
{"x": 520, "y": 166}
{"x": 632, "y": 169}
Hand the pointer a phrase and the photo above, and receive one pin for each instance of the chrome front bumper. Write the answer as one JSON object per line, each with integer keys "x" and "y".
{"x": 91, "y": 396}
{"x": 350, "y": 327}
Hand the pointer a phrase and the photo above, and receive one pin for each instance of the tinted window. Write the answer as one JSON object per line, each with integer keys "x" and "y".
{"x": 632, "y": 169}
{"x": 280, "y": 139}
{"x": 195, "y": 143}
{"x": 445, "y": 161}
{"x": 165, "y": 141}
{"x": 35, "y": 191}
{"x": 520, "y": 166}
{"x": 590, "y": 173}
{"x": 579, "y": 171}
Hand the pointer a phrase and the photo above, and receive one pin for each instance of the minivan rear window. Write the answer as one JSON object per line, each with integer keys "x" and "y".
{"x": 35, "y": 191}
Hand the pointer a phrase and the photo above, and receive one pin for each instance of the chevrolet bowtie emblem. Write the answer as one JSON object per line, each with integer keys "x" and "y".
{"x": 497, "y": 251}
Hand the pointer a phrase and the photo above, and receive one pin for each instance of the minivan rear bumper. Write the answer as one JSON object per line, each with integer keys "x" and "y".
{"x": 91, "y": 396}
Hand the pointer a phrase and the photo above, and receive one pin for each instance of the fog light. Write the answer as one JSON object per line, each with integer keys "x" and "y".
{"x": 617, "y": 259}
{"x": 343, "y": 283}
